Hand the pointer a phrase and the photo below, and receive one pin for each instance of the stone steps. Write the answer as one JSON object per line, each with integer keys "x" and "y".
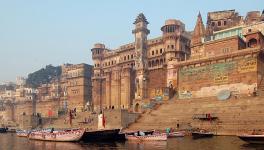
{"x": 246, "y": 112}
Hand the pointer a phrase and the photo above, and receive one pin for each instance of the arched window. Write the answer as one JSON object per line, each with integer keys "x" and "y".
{"x": 149, "y": 63}
{"x": 157, "y": 62}
{"x": 219, "y": 23}
{"x": 161, "y": 61}
{"x": 153, "y": 63}
{"x": 252, "y": 43}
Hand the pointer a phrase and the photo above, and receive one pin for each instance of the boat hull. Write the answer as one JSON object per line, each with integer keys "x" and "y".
{"x": 175, "y": 134}
{"x": 22, "y": 134}
{"x": 3, "y": 130}
{"x": 252, "y": 139}
{"x": 103, "y": 135}
{"x": 197, "y": 135}
{"x": 160, "y": 137}
{"x": 58, "y": 136}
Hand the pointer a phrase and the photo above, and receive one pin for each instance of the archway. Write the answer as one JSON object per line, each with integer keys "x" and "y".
{"x": 252, "y": 43}
{"x": 137, "y": 107}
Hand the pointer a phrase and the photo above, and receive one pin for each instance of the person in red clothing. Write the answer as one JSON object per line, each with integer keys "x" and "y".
{"x": 70, "y": 117}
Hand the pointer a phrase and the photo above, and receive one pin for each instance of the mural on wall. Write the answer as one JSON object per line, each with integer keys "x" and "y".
{"x": 215, "y": 77}
{"x": 213, "y": 70}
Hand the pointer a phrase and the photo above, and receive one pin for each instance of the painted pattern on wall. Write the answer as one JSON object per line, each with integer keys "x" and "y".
{"x": 210, "y": 79}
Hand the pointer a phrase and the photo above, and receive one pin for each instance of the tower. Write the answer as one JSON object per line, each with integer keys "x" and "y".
{"x": 141, "y": 32}
{"x": 197, "y": 38}
{"x": 97, "y": 54}
{"x": 175, "y": 44}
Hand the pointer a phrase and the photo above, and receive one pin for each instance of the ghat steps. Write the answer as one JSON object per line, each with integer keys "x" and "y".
{"x": 235, "y": 116}
{"x": 77, "y": 121}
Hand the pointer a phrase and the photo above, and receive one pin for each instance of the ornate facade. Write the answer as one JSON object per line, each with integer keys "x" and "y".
{"x": 209, "y": 58}
{"x": 137, "y": 71}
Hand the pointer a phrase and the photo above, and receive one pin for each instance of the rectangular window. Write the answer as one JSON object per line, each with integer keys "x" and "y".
{"x": 160, "y": 50}
{"x": 224, "y": 23}
{"x": 152, "y": 52}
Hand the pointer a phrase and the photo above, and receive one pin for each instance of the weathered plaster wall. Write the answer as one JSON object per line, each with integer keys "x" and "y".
{"x": 238, "y": 75}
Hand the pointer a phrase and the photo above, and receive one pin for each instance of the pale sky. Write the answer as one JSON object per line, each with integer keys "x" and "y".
{"x": 35, "y": 33}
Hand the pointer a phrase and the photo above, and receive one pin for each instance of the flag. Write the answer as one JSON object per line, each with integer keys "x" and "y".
{"x": 103, "y": 120}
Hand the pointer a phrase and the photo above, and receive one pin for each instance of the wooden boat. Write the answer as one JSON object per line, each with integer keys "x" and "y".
{"x": 22, "y": 133}
{"x": 142, "y": 136}
{"x": 3, "y": 130}
{"x": 71, "y": 135}
{"x": 202, "y": 134}
{"x": 103, "y": 135}
{"x": 176, "y": 134}
{"x": 252, "y": 138}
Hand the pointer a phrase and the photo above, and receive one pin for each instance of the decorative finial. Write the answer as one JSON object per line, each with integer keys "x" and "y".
{"x": 199, "y": 14}
{"x": 141, "y": 18}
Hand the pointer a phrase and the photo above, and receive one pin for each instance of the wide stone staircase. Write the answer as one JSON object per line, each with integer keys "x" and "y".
{"x": 81, "y": 120}
{"x": 234, "y": 116}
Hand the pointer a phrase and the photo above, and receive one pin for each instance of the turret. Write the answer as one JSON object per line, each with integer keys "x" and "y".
{"x": 97, "y": 55}
{"x": 173, "y": 39}
{"x": 141, "y": 32}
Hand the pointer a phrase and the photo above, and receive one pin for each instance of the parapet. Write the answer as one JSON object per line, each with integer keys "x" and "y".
{"x": 174, "y": 22}
{"x": 99, "y": 45}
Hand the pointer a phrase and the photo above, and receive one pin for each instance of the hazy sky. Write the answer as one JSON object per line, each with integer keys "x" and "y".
{"x": 34, "y": 33}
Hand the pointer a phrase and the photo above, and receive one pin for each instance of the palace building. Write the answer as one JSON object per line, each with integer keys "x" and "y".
{"x": 226, "y": 54}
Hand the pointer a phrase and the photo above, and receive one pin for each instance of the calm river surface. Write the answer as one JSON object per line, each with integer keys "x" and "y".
{"x": 9, "y": 141}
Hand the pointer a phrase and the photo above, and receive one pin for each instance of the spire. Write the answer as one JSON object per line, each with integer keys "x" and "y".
{"x": 141, "y": 18}
{"x": 199, "y": 31}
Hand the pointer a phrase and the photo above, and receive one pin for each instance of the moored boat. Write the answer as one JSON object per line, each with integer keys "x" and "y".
{"x": 3, "y": 130}
{"x": 155, "y": 137}
{"x": 252, "y": 138}
{"x": 22, "y": 133}
{"x": 71, "y": 135}
{"x": 176, "y": 134}
{"x": 142, "y": 136}
{"x": 103, "y": 135}
{"x": 202, "y": 134}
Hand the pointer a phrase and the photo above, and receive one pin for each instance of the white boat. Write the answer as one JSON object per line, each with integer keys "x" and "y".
{"x": 71, "y": 135}
{"x": 22, "y": 133}
{"x": 148, "y": 137}
{"x": 176, "y": 134}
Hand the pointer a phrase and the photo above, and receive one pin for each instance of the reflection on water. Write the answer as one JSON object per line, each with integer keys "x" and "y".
{"x": 252, "y": 147}
{"x": 42, "y": 145}
{"x": 12, "y": 142}
{"x": 147, "y": 145}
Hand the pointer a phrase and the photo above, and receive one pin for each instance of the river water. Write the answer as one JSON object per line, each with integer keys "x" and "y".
{"x": 9, "y": 141}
